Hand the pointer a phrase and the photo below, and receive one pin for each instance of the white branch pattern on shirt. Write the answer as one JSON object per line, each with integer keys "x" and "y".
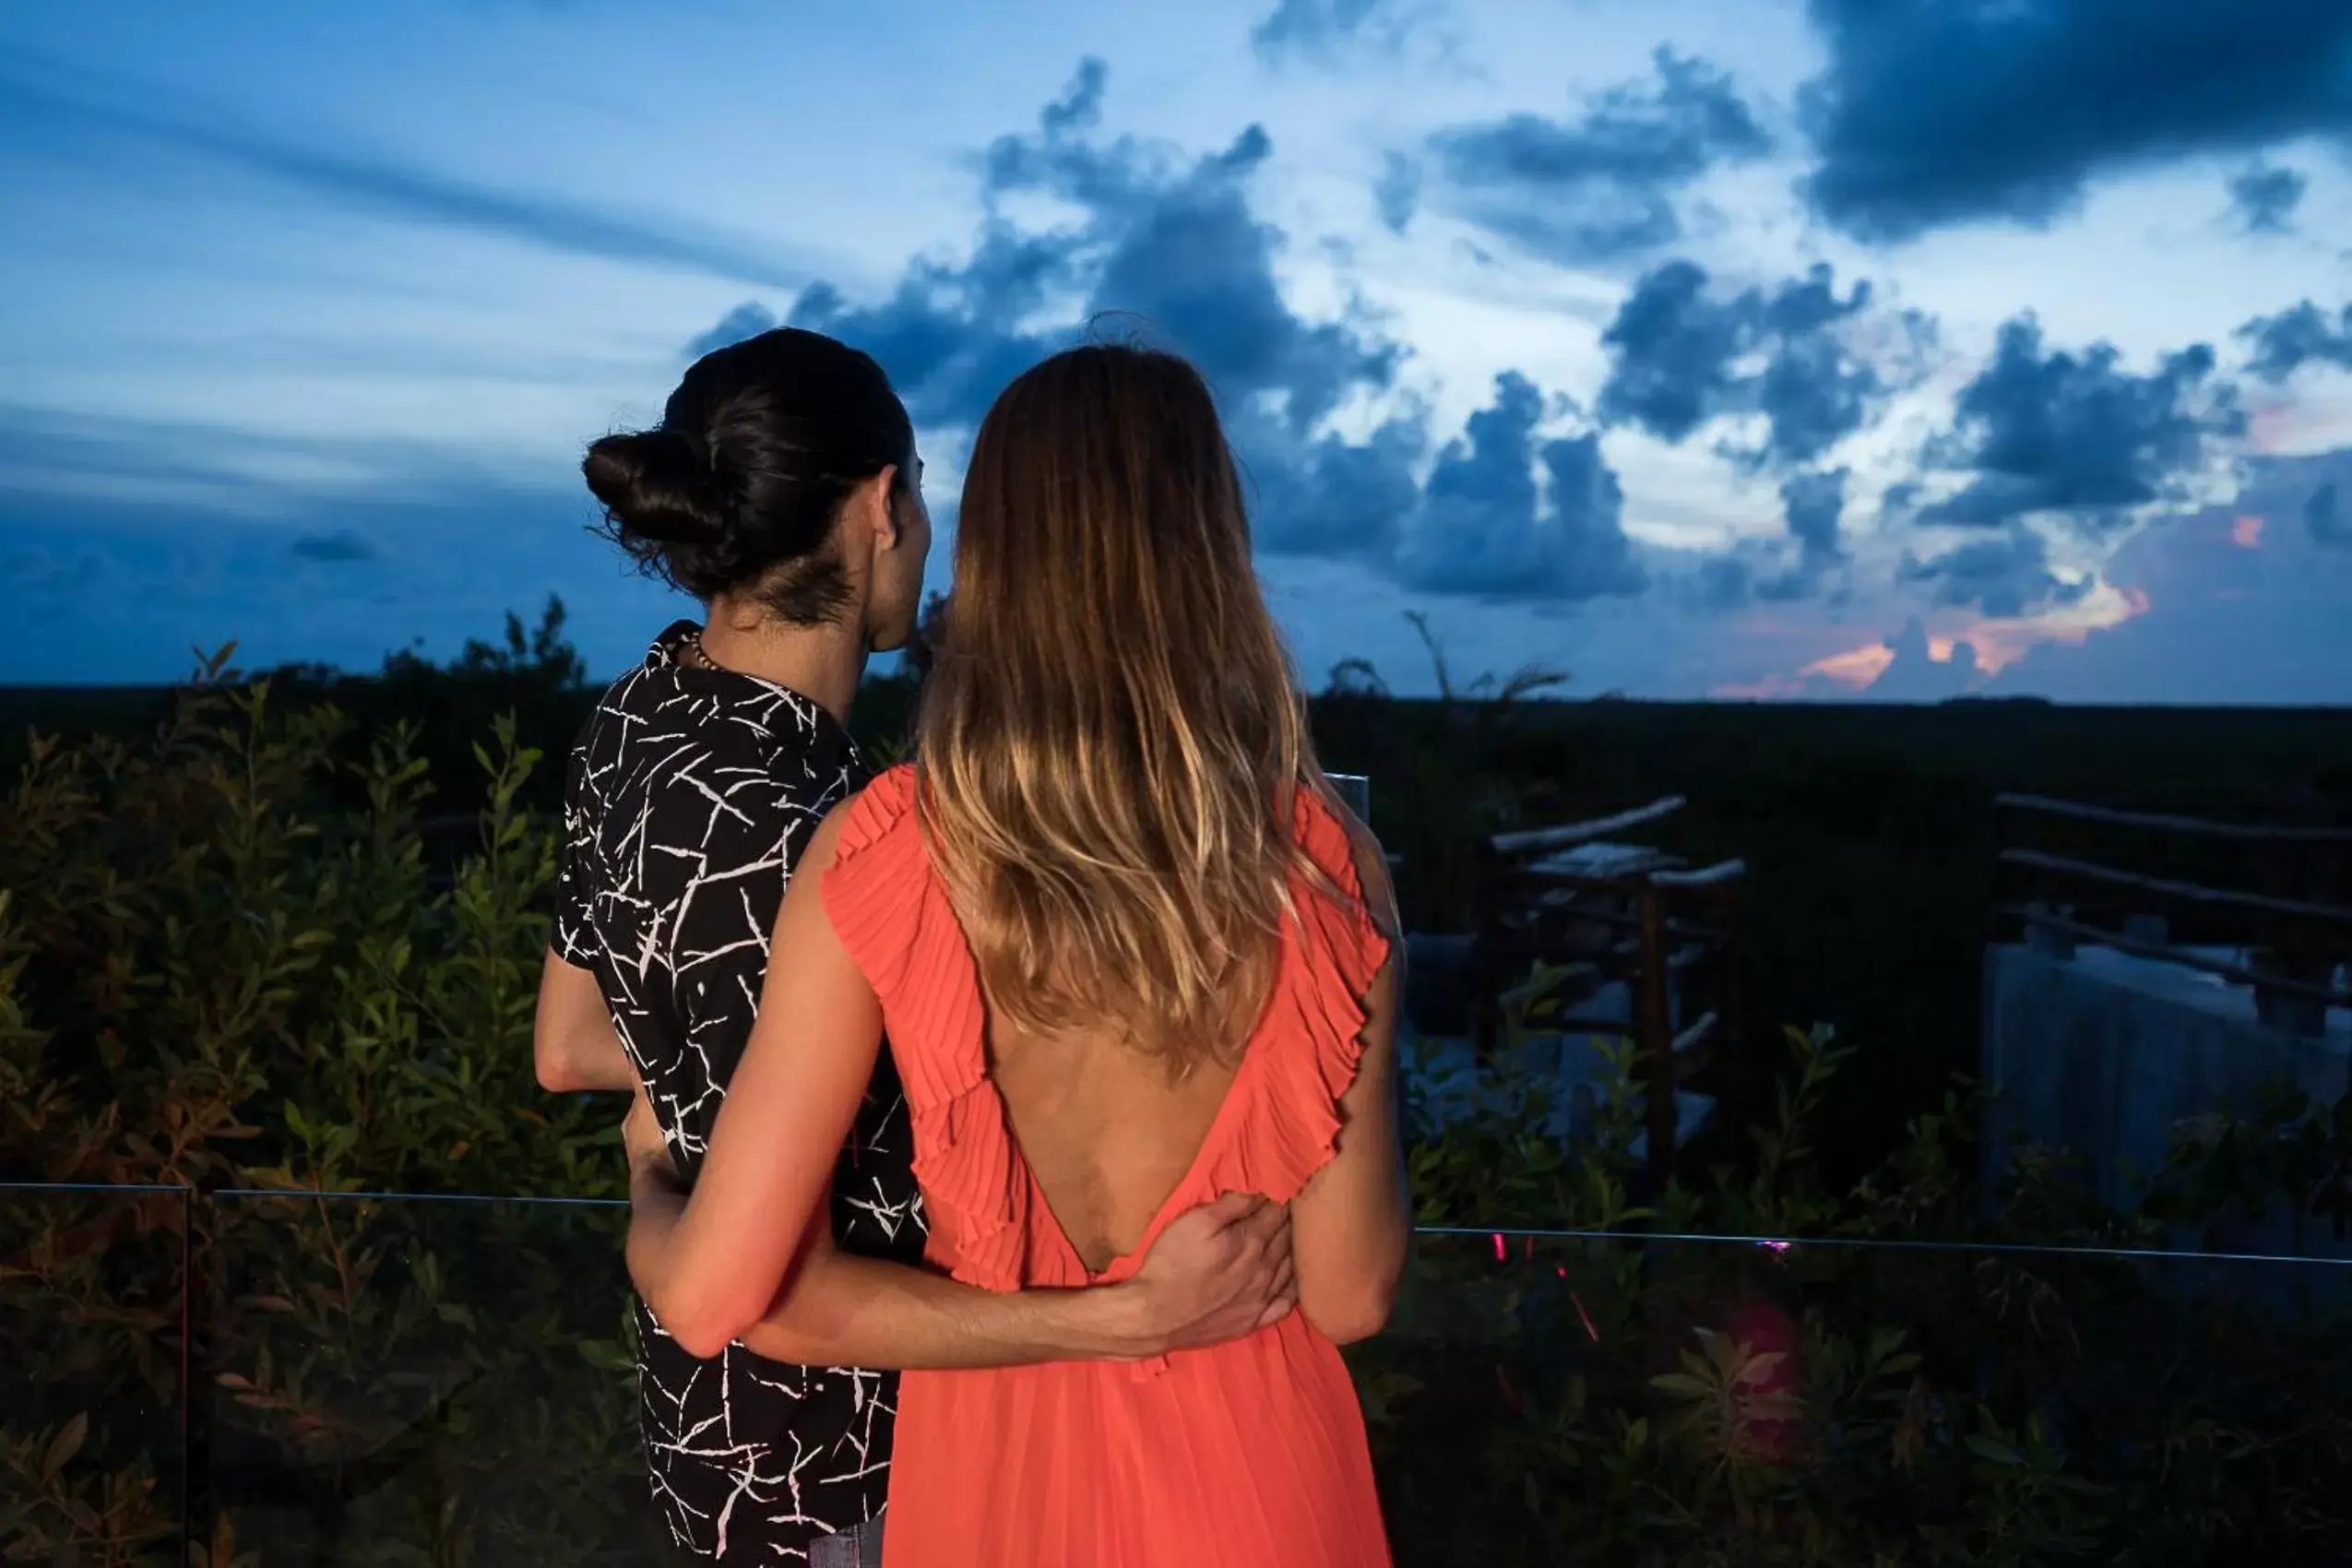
{"x": 690, "y": 795}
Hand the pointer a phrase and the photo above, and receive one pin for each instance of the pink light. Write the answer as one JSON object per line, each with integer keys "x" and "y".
{"x": 1774, "y": 1246}
{"x": 1583, "y": 1316}
{"x": 1502, "y": 1253}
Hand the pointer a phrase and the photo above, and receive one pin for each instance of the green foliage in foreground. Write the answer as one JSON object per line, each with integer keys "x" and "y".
{"x": 216, "y": 974}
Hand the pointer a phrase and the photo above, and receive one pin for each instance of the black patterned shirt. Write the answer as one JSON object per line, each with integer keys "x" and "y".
{"x": 690, "y": 795}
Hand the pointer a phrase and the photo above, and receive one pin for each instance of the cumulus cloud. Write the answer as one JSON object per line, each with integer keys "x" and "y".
{"x": 2263, "y": 197}
{"x": 2215, "y": 621}
{"x": 1600, "y": 185}
{"x": 2005, "y": 576}
{"x": 1342, "y": 499}
{"x": 1682, "y": 356}
{"x": 2055, "y": 432}
{"x": 1173, "y": 244}
{"x": 1812, "y": 510}
{"x": 1916, "y": 675}
{"x": 2295, "y": 337}
{"x": 746, "y": 320}
{"x": 1485, "y": 527}
{"x": 1813, "y": 503}
{"x": 1930, "y": 117}
{"x": 1316, "y": 29}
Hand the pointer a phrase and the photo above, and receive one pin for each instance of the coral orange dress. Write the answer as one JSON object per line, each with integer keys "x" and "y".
{"x": 1249, "y": 1455}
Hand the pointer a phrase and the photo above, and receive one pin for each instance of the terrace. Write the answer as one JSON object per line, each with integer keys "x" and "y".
{"x": 251, "y": 1316}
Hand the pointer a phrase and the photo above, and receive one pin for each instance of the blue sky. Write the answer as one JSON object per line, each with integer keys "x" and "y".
{"x": 1692, "y": 347}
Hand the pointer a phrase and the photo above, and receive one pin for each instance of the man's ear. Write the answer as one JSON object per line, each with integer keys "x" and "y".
{"x": 884, "y": 502}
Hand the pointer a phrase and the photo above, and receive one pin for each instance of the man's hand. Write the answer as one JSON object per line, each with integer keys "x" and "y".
{"x": 1217, "y": 1273}
{"x": 641, "y": 1136}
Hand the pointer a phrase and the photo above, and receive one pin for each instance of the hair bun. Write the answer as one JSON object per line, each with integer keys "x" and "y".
{"x": 657, "y": 486}
{"x": 741, "y": 485}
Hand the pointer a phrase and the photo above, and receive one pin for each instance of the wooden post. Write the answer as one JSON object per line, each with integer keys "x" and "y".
{"x": 1655, "y": 1027}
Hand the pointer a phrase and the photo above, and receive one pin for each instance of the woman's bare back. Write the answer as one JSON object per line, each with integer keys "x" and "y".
{"x": 1107, "y": 1134}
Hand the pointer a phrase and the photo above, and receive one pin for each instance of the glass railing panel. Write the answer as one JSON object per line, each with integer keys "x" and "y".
{"x": 421, "y": 1380}
{"x": 93, "y": 1334}
{"x": 1545, "y": 1398}
{"x": 449, "y": 1381}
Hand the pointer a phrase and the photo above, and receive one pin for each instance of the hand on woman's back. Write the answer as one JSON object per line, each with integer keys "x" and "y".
{"x": 1218, "y": 1272}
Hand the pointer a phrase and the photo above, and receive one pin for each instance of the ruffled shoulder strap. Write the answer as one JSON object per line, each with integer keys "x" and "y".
{"x": 1332, "y": 956}
{"x": 891, "y": 911}
{"x": 877, "y": 863}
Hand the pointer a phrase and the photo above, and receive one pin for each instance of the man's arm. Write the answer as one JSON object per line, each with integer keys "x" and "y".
{"x": 1215, "y": 1274}
{"x": 573, "y": 1046}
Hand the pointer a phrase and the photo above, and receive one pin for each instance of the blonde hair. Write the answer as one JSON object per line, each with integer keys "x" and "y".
{"x": 1112, "y": 744}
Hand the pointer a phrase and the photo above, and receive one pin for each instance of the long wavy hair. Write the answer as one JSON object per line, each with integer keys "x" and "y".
{"x": 1111, "y": 743}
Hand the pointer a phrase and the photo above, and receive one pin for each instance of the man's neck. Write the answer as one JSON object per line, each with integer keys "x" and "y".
{"x": 822, "y": 663}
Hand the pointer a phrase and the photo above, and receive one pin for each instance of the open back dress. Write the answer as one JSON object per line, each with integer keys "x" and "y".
{"x": 1246, "y": 1454}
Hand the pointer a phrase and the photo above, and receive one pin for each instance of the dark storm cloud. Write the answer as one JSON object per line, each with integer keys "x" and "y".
{"x": 2075, "y": 434}
{"x": 1168, "y": 250}
{"x": 2323, "y": 516}
{"x": 1681, "y": 356}
{"x": 2264, "y": 197}
{"x": 1935, "y": 114}
{"x": 1599, "y": 186}
{"x": 2295, "y": 337}
{"x": 2004, "y": 575}
{"x": 41, "y": 101}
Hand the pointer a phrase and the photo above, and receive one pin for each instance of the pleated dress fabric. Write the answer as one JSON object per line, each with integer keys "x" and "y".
{"x": 1248, "y": 1455}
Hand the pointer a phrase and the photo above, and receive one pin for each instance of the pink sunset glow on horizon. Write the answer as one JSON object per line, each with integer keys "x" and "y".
{"x": 1993, "y": 644}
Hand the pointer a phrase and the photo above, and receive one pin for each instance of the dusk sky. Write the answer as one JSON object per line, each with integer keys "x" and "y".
{"x": 1733, "y": 348}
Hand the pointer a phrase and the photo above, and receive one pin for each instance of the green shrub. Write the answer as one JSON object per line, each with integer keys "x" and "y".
{"x": 210, "y": 978}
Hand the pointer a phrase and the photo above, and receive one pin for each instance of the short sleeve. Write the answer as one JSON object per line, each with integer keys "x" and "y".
{"x": 574, "y": 938}
{"x": 892, "y": 916}
{"x": 1292, "y": 1128}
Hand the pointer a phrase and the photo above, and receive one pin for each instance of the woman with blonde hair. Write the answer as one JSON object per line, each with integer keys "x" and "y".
{"x": 1132, "y": 953}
